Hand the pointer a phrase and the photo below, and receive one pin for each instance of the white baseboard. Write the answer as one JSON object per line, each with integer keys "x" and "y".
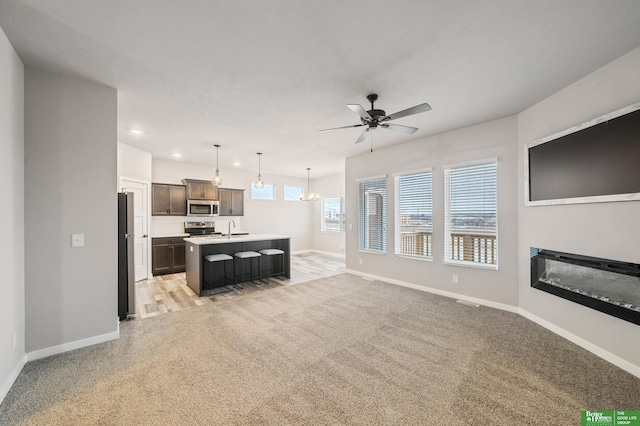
{"x": 301, "y": 251}
{"x": 54, "y": 350}
{"x": 594, "y": 349}
{"x": 445, "y": 293}
{"x": 6, "y": 386}
{"x": 329, "y": 253}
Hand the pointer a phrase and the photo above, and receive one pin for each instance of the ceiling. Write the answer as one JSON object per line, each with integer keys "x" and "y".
{"x": 266, "y": 76}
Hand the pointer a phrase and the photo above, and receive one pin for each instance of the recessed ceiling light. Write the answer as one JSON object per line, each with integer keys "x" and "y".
{"x": 236, "y": 163}
{"x": 177, "y": 155}
{"x": 137, "y": 132}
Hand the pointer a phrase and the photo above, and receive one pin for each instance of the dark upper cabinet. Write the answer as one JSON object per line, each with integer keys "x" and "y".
{"x": 178, "y": 200}
{"x": 168, "y": 255}
{"x": 168, "y": 200}
{"x": 200, "y": 190}
{"x": 231, "y": 202}
{"x": 225, "y": 201}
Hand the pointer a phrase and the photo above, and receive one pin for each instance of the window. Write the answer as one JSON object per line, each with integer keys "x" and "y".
{"x": 266, "y": 193}
{"x": 414, "y": 209}
{"x": 372, "y": 214}
{"x": 471, "y": 214}
{"x": 333, "y": 214}
{"x": 292, "y": 193}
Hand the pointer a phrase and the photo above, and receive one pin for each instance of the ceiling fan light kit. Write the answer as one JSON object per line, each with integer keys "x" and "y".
{"x": 375, "y": 118}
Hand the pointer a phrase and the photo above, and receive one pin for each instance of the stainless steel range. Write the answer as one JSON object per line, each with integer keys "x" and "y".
{"x": 201, "y": 229}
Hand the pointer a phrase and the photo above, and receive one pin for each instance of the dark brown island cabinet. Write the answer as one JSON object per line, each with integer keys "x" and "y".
{"x": 200, "y": 190}
{"x": 231, "y": 202}
{"x": 168, "y": 255}
{"x": 198, "y": 248}
{"x": 168, "y": 200}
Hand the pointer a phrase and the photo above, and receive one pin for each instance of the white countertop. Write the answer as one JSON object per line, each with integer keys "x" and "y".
{"x": 201, "y": 241}
{"x": 174, "y": 235}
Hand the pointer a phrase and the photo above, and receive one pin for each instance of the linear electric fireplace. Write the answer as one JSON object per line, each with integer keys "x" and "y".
{"x": 608, "y": 286}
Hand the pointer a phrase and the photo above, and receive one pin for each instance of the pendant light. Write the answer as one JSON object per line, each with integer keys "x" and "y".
{"x": 259, "y": 184}
{"x": 217, "y": 180}
{"x": 310, "y": 195}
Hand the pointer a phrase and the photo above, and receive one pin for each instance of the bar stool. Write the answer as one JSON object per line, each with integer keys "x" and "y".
{"x": 213, "y": 259}
{"x": 271, "y": 253}
{"x": 242, "y": 255}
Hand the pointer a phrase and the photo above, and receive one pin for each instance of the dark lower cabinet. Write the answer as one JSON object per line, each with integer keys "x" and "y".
{"x": 196, "y": 273}
{"x": 168, "y": 255}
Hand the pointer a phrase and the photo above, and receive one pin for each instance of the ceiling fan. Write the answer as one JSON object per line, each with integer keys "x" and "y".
{"x": 375, "y": 118}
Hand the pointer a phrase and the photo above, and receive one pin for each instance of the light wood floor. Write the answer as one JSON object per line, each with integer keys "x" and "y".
{"x": 170, "y": 293}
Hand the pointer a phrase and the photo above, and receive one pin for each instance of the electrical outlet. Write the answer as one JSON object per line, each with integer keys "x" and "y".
{"x": 350, "y": 226}
{"x": 360, "y": 261}
{"x": 191, "y": 249}
{"x": 77, "y": 240}
{"x": 341, "y": 249}
{"x": 454, "y": 279}
{"x": 14, "y": 340}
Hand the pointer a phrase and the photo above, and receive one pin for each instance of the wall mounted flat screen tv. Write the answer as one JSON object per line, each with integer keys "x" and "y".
{"x": 597, "y": 161}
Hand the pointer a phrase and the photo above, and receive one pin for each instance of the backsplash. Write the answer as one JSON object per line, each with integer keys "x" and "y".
{"x": 174, "y": 225}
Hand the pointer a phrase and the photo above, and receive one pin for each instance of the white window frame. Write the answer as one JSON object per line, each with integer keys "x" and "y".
{"x": 448, "y": 249}
{"x": 265, "y": 186}
{"x": 397, "y": 218}
{"x": 362, "y": 236}
{"x": 342, "y": 215}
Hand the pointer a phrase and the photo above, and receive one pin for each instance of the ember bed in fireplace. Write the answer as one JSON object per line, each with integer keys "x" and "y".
{"x": 609, "y": 286}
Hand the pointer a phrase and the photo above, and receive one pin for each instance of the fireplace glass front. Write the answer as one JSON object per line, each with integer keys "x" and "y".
{"x": 609, "y": 286}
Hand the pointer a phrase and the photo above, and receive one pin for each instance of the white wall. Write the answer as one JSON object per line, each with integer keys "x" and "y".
{"x": 292, "y": 218}
{"x": 493, "y": 139}
{"x": 70, "y": 188}
{"x": 12, "y": 319}
{"x": 133, "y": 163}
{"x": 606, "y": 230}
{"x": 330, "y": 186}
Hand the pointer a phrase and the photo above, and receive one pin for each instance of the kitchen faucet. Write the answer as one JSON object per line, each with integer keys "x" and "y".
{"x": 234, "y": 225}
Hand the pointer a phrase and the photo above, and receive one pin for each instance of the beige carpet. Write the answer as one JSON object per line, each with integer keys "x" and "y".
{"x": 338, "y": 350}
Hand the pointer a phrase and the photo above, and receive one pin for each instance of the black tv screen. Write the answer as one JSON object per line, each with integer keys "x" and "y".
{"x": 598, "y": 160}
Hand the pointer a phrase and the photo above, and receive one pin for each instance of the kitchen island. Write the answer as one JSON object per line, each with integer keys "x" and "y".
{"x": 199, "y": 247}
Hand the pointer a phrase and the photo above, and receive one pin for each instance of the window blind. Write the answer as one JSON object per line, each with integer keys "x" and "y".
{"x": 372, "y": 214}
{"x": 471, "y": 214}
{"x": 414, "y": 214}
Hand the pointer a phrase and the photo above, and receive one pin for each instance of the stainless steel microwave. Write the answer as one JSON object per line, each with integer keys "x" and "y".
{"x": 202, "y": 208}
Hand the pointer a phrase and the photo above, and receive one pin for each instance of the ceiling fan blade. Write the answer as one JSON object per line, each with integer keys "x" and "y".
{"x": 363, "y": 136}
{"x": 398, "y": 128}
{"x": 343, "y": 127}
{"x": 360, "y": 111}
{"x": 409, "y": 111}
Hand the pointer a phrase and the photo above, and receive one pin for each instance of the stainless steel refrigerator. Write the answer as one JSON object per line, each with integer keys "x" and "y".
{"x": 126, "y": 277}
